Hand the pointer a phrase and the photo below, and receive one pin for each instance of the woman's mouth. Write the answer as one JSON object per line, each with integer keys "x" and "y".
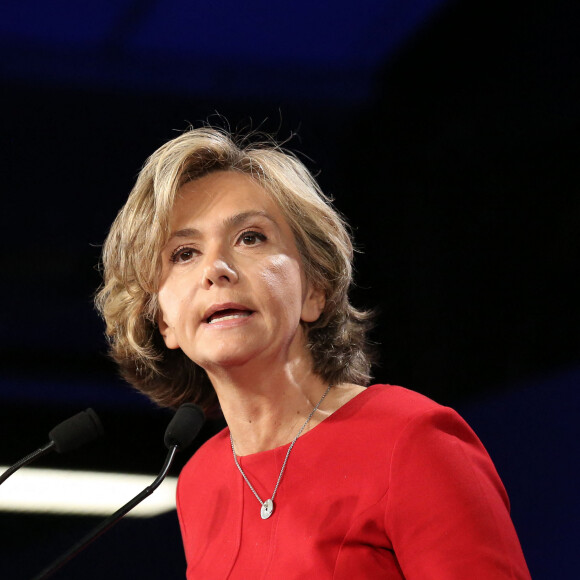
{"x": 227, "y": 314}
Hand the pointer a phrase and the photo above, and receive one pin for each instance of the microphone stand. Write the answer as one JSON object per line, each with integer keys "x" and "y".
{"x": 26, "y": 460}
{"x": 110, "y": 521}
{"x": 69, "y": 435}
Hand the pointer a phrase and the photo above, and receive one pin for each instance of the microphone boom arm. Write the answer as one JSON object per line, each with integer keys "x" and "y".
{"x": 111, "y": 520}
{"x": 26, "y": 460}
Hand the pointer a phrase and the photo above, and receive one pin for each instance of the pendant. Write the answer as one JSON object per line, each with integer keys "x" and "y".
{"x": 267, "y": 509}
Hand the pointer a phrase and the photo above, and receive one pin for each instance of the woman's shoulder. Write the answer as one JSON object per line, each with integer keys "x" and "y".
{"x": 394, "y": 401}
{"x": 385, "y": 412}
{"x": 391, "y": 412}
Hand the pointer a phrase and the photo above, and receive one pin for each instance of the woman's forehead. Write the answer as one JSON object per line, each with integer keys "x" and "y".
{"x": 230, "y": 192}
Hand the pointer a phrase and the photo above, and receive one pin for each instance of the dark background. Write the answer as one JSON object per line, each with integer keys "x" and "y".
{"x": 447, "y": 132}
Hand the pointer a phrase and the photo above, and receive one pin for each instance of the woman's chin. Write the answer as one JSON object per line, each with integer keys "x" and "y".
{"x": 226, "y": 359}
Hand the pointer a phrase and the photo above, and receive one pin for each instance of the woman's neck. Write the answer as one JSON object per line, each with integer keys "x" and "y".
{"x": 265, "y": 411}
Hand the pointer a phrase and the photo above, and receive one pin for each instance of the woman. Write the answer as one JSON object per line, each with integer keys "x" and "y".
{"x": 226, "y": 280}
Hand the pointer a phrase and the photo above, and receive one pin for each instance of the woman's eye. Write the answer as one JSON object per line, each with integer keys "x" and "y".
{"x": 251, "y": 238}
{"x": 182, "y": 255}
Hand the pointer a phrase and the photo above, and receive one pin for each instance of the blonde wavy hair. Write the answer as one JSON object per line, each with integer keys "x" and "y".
{"x": 131, "y": 264}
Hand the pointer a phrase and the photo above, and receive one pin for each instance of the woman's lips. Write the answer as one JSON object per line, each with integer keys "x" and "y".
{"x": 228, "y": 314}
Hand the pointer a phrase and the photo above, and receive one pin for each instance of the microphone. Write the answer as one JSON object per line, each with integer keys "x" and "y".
{"x": 69, "y": 435}
{"x": 180, "y": 433}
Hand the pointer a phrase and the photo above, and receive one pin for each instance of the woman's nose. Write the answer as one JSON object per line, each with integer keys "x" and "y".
{"x": 218, "y": 271}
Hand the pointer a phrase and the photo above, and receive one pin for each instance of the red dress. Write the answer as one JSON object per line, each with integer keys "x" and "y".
{"x": 390, "y": 486}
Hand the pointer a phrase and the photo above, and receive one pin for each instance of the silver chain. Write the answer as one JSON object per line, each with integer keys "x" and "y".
{"x": 287, "y": 453}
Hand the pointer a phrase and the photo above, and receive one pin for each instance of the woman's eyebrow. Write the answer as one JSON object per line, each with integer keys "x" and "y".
{"x": 231, "y": 221}
{"x": 185, "y": 233}
{"x": 239, "y": 218}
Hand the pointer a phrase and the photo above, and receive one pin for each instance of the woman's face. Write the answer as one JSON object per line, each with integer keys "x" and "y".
{"x": 232, "y": 287}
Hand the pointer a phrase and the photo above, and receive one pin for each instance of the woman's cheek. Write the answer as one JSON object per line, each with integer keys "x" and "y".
{"x": 282, "y": 274}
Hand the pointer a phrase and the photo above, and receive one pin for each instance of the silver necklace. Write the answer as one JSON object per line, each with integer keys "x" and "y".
{"x": 268, "y": 505}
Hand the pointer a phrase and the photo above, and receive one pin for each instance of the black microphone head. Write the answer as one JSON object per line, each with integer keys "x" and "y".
{"x": 184, "y": 426}
{"x": 73, "y": 433}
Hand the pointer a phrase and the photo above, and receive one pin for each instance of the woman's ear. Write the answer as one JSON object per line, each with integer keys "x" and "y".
{"x": 167, "y": 332}
{"x": 313, "y": 305}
